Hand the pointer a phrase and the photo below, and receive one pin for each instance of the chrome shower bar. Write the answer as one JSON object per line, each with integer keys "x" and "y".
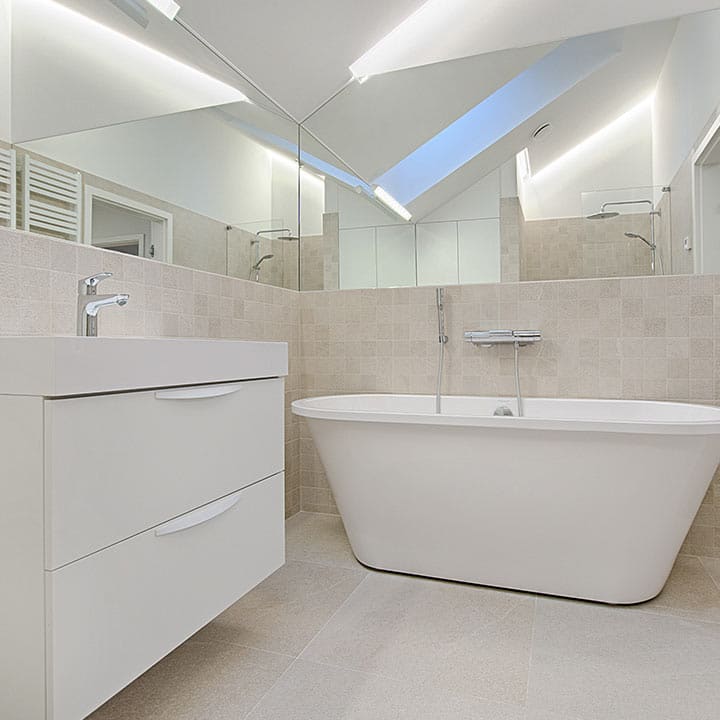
{"x": 488, "y": 338}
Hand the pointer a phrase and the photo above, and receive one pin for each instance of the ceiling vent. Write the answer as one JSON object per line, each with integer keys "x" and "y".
{"x": 542, "y": 131}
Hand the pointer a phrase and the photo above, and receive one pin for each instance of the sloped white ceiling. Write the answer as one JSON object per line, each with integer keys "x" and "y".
{"x": 628, "y": 78}
{"x": 73, "y": 71}
{"x": 447, "y": 29}
{"x": 376, "y": 124}
{"x": 297, "y": 52}
{"x": 300, "y": 52}
{"x": 612, "y": 91}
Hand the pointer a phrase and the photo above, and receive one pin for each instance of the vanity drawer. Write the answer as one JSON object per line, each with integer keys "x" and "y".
{"x": 114, "y": 614}
{"x": 119, "y": 464}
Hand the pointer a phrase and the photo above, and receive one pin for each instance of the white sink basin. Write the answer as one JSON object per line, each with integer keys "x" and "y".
{"x": 62, "y": 366}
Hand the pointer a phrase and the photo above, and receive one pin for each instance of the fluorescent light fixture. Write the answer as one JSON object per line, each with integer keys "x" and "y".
{"x": 169, "y": 8}
{"x": 390, "y": 202}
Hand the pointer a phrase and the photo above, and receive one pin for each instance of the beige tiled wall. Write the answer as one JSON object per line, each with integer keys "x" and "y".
{"x": 320, "y": 256}
{"x": 511, "y": 223}
{"x": 565, "y": 248}
{"x": 202, "y": 243}
{"x": 651, "y": 338}
{"x": 38, "y": 288}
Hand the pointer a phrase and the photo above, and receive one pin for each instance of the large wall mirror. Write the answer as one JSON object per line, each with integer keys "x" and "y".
{"x": 571, "y": 159}
{"x": 591, "y": 156}
{"x": 126, "y": 132}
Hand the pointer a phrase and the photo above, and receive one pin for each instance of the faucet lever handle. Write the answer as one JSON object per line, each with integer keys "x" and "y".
{"x": 88, "y": 285}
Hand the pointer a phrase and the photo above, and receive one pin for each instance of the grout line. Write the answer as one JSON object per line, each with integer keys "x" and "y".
{"x": 329, "y": 620}
{"x": 406, "y": 682}
{"x": 293, "y": 663}
{"x": 229, "y": 643}
{"x": 270, "y": 689}
{"x": 532, "y": 648}
{"x": 705, "y": 557}
{"x": 357, "y": 566}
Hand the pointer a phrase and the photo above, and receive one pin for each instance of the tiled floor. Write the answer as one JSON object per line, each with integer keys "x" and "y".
{"x": 326, "y": 639}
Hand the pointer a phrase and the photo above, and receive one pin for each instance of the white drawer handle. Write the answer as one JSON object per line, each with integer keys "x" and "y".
{"x": 199, "y": 392}
{"x": 199, "y": 516}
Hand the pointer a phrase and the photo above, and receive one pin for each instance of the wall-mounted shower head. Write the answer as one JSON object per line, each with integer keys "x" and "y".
{"x": 606, "y": 214}
{"x": 603, "y": 215}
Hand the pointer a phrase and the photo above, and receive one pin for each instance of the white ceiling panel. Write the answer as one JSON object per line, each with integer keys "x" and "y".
{"x": 374, "y": 125}
{"x": 297, "y": 52}
{"x": 446, "y": 29}
{"x": 598, "y": 100}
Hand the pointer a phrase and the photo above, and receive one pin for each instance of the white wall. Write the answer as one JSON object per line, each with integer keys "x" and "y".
{"x": 5, "y": 72}
{"x": 688, "y": 92}
{"x": 111, "y": 221}
{"x": 312, "y": 203}
{"x": 284, "y": 193}
{"x": 482, "y": 200}
{"x": 72, "y": 73}
{"x": 194, "y": 160}
{"x": 457, "y": 242}
{"x": 356, "y": 209}
{"x": 620, "y": 156}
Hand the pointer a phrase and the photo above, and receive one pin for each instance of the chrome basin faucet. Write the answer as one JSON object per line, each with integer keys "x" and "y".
{"x": 89, "y": 303}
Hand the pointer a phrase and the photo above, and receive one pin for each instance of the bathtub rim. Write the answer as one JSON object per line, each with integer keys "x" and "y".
{"x": 307, "y": 408}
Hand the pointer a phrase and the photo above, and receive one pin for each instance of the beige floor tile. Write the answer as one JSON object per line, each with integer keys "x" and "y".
{"x": 287, "y": 610}
{"x": 208, "y": 681}
{"x": 690, "y": 592}
{"x": 317, "y": 538}
{"x": 535, "y": 714}
{"x": 457, "y": 638}
{"x": 712, "y": 566}
{"x": 604, "y": 663}
{"x": 319, "y": 692}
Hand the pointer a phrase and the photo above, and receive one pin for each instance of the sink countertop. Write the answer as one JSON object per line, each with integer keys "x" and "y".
{"x": 68, "y": 365}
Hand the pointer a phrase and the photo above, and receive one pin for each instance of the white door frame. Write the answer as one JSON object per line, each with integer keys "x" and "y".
{"x": 706, "y": 146}
{"x": 161, "y": 227}
{"x": 109, "y": 243}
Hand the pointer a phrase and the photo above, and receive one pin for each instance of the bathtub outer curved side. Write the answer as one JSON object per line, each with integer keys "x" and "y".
{"x": 591, "y": 515}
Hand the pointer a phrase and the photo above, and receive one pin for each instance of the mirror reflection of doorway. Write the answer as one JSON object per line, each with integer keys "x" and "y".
{"x": 706, "y": 201}
{"x": 126, "y": 226}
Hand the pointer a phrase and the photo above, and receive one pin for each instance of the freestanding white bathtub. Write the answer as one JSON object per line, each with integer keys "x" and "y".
{"x": 582, "y": 498}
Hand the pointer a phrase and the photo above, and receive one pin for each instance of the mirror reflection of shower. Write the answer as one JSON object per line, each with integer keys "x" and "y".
{"x": 256, "y": 267}
{"x": 606, "y": 214}
{"x": 261, "y": 258}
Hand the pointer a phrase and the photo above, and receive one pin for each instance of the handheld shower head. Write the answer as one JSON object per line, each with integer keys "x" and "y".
{"x": 257, "y": 265}
{"x": 635, "y": 236}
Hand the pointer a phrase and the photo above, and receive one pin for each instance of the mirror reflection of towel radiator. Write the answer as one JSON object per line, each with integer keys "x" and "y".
{"x": 51, "y": 199}
{"x": 8, "y": 189}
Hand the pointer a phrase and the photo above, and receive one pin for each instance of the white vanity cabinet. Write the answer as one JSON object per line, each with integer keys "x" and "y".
{"x": 130, "y": 517}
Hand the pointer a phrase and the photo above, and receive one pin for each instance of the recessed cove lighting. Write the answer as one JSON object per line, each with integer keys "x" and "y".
{"x": 390, "y": 202}
{"x": 169, "y": 8}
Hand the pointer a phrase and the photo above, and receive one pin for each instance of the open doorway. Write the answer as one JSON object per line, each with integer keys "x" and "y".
{"x": 117, "y": 223}
{"x": 706, "y": 202}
